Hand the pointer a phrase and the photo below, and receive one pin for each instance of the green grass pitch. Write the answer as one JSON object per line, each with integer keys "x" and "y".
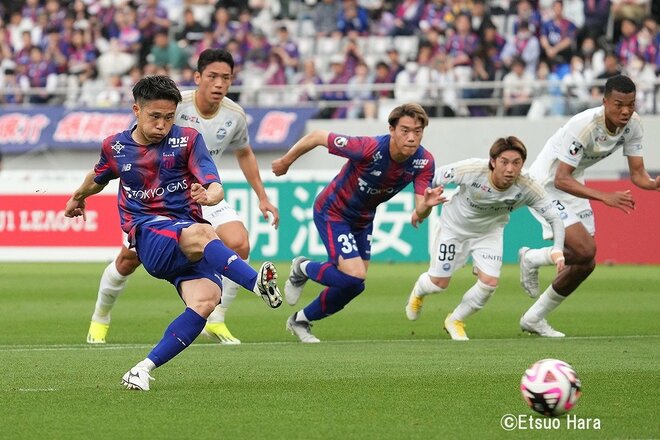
{"x": 374, "y": 376}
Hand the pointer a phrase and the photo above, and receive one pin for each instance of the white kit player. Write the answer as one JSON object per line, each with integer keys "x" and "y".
{"x": 223, "y": 126}
{"x": 472, "y": 224}
{"x": 586, "y": 139}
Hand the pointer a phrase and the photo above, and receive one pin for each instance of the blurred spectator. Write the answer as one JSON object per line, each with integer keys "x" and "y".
{"x": 647, "y": 44}
{"x": 483, "y": 70}
{"x": 151, "y": 18}
{"x": 114, "y": 61}
{"x": 574, "y": 11}
{"x": 596, "y": 16}
{"x": 287, "y": 49}
{"x": 82, "y": 54}
{"x": 187, "y": 78}
{"x": 22, "y": 54}
{"x": 56, "y": 50}
{"x": 558, "y": 36}
{"x": 548, "y": 97}
{"x": 436, "y": 15}
{"x": 394, "y": 62}
{"x": 40, "y": 75}
{"x": 406, "y": 17}
{"x": 382, "y": 76}
{"x": 125, "y": 30}
{"x": 525, "y": 12}
{"x": 256, "y": 49}
{"x": 10, "y": 92}
{"x": 325, "y": 16}
{"x": 110, "y": 94}
{"x": 575, "y": 87}
{"x": 31, "y": 10}
{"x": 593, "y": 56}
{"x": 308, "y": 80}
{"x": 611, "y": 68}
{"x": 55, "y": 13}
{"x": 413, "y": 85}
{"x": 481, "y": 18}
{"x": 359, "y": 91}
{"x": 352, "y": 17}
{"x": 223, "y": 28}
{"x": 644, "y": 76}
{"x": 444, "y": 76}
{"x": 192, "y": 31}
{"x": 493, "y": 44}
{"x": 382, "y": 22}
{"x": 524, "y": 45}
{"x": 166, "y": 53}
{"x": 518, "y": 89}
{"x": 17, "y": 26}
{"x": 627, "y": 45}
{"x": 337, "y": 77}
{"x": 459, "y": 48}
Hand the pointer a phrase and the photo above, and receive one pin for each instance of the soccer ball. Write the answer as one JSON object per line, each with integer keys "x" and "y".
{"x": 550, "y": 387}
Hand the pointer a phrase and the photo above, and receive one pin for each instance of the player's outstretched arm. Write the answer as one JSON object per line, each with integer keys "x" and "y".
{"x": 75, "y": 206}
{"x": 248, "y": 164}
{"x": 639, "y": 176}
{"x": 424, "y": 203}
{"x": 565, "y": 181}
{"x": 305, "y": 144}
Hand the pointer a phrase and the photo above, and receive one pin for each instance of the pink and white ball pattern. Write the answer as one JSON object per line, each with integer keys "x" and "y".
{"x": 551, "y": 387}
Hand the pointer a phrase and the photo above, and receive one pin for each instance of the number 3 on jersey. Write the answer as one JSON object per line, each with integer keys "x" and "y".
{"x": 347, "y": 242}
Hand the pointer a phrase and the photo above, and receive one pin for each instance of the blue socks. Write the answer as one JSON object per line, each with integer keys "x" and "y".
{"x": 229, "y": 264}
{"x": 328, "y": 275}
{"x": 179, "y": 335}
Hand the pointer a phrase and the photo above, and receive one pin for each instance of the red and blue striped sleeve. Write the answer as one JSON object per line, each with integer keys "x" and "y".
{"x": 424, "y": 179}
{"x": 352, "y": 147}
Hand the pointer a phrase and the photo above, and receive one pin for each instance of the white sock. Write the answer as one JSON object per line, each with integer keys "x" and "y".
{"x": 300, "y": 316}
{"x": 147, "y": 364}
{"x": 217, "y": 315}
{"x": 539, "y": 257}
{"x": 546, "y": 303}
{"x": 474, "y": 300}
{"x": 111, "y": 285}
{"x": 303, "y": 267}
{"x": 424, "y": 286}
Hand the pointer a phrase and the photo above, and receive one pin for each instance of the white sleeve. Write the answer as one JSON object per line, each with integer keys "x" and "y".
{"x": 633, "y": 146}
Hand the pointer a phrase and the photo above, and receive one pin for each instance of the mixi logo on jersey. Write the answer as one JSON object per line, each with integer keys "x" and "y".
{"x": 178, "y": 142}
{"x": 420, "y": 163}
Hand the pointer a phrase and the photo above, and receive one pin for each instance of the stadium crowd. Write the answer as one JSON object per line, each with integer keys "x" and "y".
{"x": 456, "y": 57}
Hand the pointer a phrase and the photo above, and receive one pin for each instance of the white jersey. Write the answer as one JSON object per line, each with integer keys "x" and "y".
{"x": 478, "y": 207}
{"x": 583, "y": 141}
{"x": 225, "y": 130}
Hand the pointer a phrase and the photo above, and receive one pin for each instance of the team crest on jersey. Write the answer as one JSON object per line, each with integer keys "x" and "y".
{"x": 229, "y": 124}
{"x": 340, "y": 141}
{"x": 221, "y": 133}
{"x": 626, "y": 131}
{"x": 376, "y": 157}
{"x": 117, "y": 147}
{"x": 575, "y": 148}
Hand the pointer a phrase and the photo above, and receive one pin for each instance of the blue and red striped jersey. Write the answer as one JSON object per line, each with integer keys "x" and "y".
{"x": 155, "y": 179}
{"x": 369, "y": 178}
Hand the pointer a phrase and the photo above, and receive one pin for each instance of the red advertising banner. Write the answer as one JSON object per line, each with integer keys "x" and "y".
{"x": 627, "y": 238}
{"x": 38, "y": 220}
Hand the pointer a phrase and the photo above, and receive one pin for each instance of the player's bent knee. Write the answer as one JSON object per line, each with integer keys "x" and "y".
{"x": 126, "y": 262}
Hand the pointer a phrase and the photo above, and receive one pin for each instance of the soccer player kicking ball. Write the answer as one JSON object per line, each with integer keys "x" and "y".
{"x": 586, "y": 139}
{"x": 472, "y": 223}
{"x": 166, "y": 174}
{"x": 377, "y": 169}
{"x": 223, "y": 126}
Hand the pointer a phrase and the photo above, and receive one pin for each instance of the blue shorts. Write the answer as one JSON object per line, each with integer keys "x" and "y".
{"x": 157, "y": 245}
{"x": 342, "y": 239}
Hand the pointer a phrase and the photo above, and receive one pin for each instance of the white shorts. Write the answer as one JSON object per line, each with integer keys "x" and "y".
{"x": 217, "y": 215}
{"x": 571, "y": 210}
{"x": 451, "y": 251}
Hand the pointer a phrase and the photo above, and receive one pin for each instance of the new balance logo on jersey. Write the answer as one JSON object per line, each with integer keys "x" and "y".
{"x": 178, "y": 142}
{"x": 117, "y": 147}
{"x": 364, "y": 187}
{"x": 376, "y": 173}
{"x": 126, "y": 167}
{"x": 376, "y": 157}
{"x": 420, "y": 163}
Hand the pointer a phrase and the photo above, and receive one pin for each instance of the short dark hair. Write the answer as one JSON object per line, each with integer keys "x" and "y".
{"x": 155, "y": 87}
{"x": 209, "y": 56}
{"x": 509, "y": 143}
{"x": 620, "y": 83}
{"x": 413, "y": 110}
